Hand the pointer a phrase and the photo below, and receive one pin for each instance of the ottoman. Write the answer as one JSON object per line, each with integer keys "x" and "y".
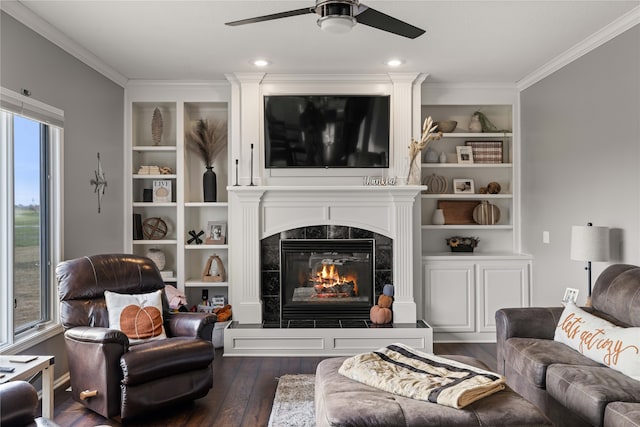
{"x": 340, "y": 401}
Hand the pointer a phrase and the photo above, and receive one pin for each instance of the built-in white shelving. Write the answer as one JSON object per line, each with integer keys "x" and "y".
{"x": 180, "y": 107}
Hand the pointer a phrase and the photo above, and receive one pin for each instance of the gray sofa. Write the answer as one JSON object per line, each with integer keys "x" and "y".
{"x": 571, "y": 389}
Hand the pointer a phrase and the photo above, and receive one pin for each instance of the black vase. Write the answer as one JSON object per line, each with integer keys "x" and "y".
{"x": 210, "y": 185}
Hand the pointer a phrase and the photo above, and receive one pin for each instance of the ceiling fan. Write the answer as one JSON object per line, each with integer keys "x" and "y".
{"x": 339, "y": 16}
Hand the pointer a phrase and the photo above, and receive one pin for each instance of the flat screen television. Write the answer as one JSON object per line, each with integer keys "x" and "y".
{"x": 326, "y": 131}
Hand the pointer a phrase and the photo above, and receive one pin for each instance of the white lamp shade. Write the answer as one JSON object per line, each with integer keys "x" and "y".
{"x": 589, "y": 243}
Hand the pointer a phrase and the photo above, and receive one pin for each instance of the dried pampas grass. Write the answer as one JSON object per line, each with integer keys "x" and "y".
{"x": 428, "y": 134}
{"x": 208, "y": 138}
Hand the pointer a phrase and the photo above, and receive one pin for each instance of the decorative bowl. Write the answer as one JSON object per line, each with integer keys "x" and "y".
{"x": 446, "y": 126}
{"x": 462, "y": 244}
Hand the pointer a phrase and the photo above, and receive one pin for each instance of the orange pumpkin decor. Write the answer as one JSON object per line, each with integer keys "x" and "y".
{"x": 141, "y": 322}
{"x": 385, "y": 301}
{"x": 380, "y": 315}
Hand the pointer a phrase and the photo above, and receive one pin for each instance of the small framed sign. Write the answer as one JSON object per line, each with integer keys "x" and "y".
{"x": 465, "y": 154}
{"x": 570, "y": 296}
{"x": 161, "y": 191}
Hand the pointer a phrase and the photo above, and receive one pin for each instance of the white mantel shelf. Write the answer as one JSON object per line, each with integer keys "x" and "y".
{"x": 409, "y": 189}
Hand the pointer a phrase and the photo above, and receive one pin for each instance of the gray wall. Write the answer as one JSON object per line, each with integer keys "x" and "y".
{"x": 94, "y": 122}
{"x": 581, "y": 163}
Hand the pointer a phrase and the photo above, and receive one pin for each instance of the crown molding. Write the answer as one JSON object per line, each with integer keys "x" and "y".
{"x": 597, "y": 39}
{"x": 25, "y": 16}
{"x": 331, "y": 78}
{"x": 469, "y": 85}
{"x": 173, "y": 83}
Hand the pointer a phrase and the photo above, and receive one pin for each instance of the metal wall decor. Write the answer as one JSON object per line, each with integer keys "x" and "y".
{"x": 100, "y": 183}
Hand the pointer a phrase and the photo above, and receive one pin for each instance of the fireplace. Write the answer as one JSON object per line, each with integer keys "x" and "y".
{"x": 326, "y": 279}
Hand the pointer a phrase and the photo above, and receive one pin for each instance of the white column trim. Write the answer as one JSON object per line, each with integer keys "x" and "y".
{"x": 245, "y": 263}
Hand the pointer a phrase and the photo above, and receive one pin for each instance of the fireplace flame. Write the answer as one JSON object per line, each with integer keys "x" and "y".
{"x": 328, "y": 278}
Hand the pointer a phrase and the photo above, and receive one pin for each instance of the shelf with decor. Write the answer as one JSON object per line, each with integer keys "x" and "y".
{"x": 203, "y": 211}
{"x": 154, "y": 148}
{"x": 153, "y": 199}
{"x": 167, "y": 176}
{"x": 157, "y": 118}
{"x": 466, "y": 166}
{"x": 194, "y": 283}
{"x": 155, "y": 242}
{"x": 461, "y": 290}
{"x": 467, "y": 227}
{"x": 476, "y": 134}
{"x": 466, "y": 196}
{"x": 473, "y": 185}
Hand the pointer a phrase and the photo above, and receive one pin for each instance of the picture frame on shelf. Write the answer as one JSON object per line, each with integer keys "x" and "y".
{"x": 463, "y": 186}
{"x": 216, "y": 233}
{"x": 465, "y": 154}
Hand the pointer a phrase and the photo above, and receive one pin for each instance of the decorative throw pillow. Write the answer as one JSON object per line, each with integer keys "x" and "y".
{"x": 600, "y": 340}
{"x": 138, "y": 316}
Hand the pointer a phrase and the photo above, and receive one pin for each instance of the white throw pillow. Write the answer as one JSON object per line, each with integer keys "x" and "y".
{"x": 600, "y": 340}
{"x": 138, "y": 316}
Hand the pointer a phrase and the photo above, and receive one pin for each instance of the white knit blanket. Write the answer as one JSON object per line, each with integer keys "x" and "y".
{"x": 404, "y": 371}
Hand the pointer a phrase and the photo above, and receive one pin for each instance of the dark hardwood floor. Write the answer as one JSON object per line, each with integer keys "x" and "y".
{"x": 242, "y": 393}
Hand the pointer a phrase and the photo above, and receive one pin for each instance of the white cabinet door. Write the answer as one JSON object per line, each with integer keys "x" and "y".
{"x": 449, "y": 296}
{"x": 501, "y": 284}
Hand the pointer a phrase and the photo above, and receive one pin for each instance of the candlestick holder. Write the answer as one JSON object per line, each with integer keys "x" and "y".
{"x": 251, "y": 171}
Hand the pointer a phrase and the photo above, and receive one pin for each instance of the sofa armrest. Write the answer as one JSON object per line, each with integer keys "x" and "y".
{"x": 88, "y": 334}
{"x": 94, "y": 365}
{"x": 525, "y": 322}
{"x": 194, "y": 325}
{"x": 18, "y": 403}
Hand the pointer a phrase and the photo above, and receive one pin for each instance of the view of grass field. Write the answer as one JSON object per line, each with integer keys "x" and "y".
{"x": 26, "y": 265}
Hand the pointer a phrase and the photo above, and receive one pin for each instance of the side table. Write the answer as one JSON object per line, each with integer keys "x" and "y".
{"x": 26, "y": 366}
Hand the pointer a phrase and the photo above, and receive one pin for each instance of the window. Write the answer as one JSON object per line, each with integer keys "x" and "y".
{"x": 30, "y": 209}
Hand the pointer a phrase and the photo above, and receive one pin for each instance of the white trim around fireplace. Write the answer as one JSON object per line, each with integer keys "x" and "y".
{"x": 257, "y": 212}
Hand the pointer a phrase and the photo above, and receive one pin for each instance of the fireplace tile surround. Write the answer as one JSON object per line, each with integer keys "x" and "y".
{"x": 270, "y": 260}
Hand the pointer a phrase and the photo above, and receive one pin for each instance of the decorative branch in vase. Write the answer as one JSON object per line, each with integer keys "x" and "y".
{"x": 415, "y": 148}
{"x": 208, "y": 138}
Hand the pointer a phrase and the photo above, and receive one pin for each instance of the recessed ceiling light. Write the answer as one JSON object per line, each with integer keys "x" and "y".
{"x": 260, "y": 62}
{"x": 394, "y": 62}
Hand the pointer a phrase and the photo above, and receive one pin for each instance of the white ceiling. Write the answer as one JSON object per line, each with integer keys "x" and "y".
{"x": 466, "y": 41}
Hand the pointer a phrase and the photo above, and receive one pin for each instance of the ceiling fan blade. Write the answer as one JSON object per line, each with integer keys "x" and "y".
{"x": 381, "y": 21}
{"x": 273, "y": 16}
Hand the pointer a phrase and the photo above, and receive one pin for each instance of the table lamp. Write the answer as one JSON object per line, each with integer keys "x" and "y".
{"x": 589, "y": 243}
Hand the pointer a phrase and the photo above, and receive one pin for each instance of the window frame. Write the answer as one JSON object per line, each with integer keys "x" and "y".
{"x": 12, "y": 103}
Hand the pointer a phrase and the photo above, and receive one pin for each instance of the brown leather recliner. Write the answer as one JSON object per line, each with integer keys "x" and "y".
{"x": 110, "y": 376}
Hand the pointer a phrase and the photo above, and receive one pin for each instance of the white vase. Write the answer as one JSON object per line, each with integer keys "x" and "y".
{"x": 158, "y": 258}
{"x": 438, "y": 217}
{"x": 474, "y": 124}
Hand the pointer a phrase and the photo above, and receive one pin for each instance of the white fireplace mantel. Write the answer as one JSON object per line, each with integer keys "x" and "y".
{"x": 256, "y": 212}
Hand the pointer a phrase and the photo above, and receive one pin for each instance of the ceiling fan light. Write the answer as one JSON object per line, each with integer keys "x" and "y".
{"x": 336, "y": 24}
